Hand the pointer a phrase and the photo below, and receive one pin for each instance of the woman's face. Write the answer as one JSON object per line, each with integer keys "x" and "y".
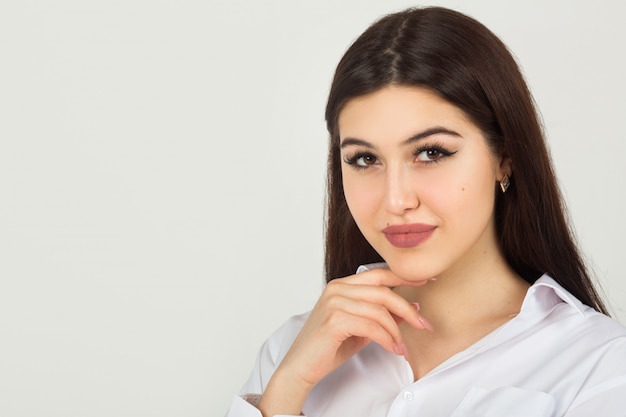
{"x": 419, "y": 180}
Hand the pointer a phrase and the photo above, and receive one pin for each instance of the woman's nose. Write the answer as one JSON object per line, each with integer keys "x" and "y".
{"x": 401, "y": 191}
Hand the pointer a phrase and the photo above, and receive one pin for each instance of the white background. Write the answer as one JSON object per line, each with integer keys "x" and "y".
{"x": 162, "y": 179}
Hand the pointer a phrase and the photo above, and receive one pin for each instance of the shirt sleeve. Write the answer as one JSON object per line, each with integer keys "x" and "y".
{"x": 240, "y": 407}
{"x": 269, "y": 357}
{"x": 245, "y": 406}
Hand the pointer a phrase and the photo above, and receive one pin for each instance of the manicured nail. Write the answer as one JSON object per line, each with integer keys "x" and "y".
{"x": 425, "y": 323}
{"x": 417, "y": 306}
{"x": 397, "y": 349}
{"x": 432, "y": 279}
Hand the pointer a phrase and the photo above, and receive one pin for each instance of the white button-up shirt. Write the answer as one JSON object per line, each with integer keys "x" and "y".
{"x": 556, "y": 358}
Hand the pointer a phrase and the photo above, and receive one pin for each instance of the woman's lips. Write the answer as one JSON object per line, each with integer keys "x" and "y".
{"x": 408, "y": 235}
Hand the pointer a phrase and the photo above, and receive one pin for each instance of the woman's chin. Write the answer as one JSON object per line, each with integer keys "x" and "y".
{"x": 418, "y": 276}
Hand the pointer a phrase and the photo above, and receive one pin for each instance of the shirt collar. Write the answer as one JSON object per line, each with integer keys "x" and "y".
{"x": 545, "y": 293}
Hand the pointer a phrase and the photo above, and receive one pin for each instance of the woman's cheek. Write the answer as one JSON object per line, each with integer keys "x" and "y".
{"x": 362, "y": 199}
{"x": 360, "y": 188}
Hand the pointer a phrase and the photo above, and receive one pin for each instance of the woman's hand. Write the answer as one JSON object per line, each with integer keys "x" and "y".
{"x": 350, "y": 313}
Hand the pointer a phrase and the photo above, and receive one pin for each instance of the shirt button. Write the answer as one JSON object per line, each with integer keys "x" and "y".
{"x": 408, "y": 396}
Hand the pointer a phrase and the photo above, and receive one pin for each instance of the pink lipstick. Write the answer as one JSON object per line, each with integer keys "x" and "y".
{"x": 408, "y": 235}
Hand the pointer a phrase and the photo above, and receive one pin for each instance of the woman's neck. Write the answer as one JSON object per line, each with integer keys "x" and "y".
{"x": 463, "y": 305}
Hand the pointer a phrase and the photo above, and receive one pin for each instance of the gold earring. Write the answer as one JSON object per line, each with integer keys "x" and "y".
{"x": 505, "y": 183}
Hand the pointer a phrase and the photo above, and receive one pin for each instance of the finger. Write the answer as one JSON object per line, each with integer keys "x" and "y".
{"x": 369, "y": 330}
{"x": 380, "y": 276}
{"x": 371, "y": 311}
{"x": 379, "y": 295}
{"x": 397, "y": 319}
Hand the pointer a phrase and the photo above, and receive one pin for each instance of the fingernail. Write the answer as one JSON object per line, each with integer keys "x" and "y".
{"x": 425, "y": 323}
{"x": 432, "y": 279}
{"x": 405, "y": 352}
{"x": 397, "y": 349}
{"x": 417, "y": 306}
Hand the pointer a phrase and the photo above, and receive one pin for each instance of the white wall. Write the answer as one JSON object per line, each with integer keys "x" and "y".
{"x": 162, "y": 174}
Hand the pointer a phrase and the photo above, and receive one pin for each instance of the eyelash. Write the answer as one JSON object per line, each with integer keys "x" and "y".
{"x": 443, "y": 153}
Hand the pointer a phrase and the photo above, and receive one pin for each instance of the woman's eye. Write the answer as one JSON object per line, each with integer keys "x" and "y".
{"x": 365, "y": 160}
{"x": 361, "y": 160}
{"x": 431, "y": 154}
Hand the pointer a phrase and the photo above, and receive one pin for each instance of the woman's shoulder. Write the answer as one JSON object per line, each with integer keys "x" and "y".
{"x": 573, "y": 332}
{"x": 548, "y": 299}
{"x": 600, "y": 324}
{"x": 603, "y": 335}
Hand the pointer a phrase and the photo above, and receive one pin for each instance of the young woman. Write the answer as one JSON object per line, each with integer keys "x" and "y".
{"x": 470, "y": 297}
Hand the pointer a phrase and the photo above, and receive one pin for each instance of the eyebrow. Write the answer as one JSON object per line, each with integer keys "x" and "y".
{"x": 426, "y": 133}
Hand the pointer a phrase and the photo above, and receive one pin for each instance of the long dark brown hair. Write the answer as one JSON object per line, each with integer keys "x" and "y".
{"x": 462, "y": 61}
